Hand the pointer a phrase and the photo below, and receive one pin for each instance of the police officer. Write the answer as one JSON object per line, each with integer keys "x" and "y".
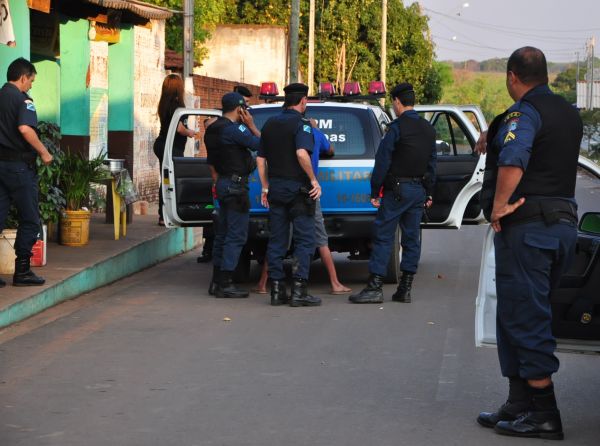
{"x": 289, "y": 189}
{"x": 405, "y": 169}
{"x": 229, "y": 141}
{"x": 528, "y": 196}
{"x": 19, "y": 146}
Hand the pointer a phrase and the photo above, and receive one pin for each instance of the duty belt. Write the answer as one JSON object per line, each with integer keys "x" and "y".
{"x": 11, "y": 155}
{"x": 239, "y": 178}
{"x": 550, "y": 211}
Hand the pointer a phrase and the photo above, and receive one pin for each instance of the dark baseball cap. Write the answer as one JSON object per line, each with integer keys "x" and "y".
{"x": 296, "y": 88}
{"x": 232, "y": 100}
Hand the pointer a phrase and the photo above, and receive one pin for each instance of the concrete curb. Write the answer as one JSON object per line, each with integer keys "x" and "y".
{"x": 123, "y": 264}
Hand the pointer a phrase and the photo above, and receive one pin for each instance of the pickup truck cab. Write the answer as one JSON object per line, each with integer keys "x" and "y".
{"x": 355, "y": 130}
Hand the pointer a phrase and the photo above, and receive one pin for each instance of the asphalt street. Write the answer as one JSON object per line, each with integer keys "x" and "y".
{"x": 153, "y": 360}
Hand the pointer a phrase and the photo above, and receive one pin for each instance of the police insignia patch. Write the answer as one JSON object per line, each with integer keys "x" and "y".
{"x": 513, "y": 125}
{"x": 307, "y": 128}
{"x": 29, "y": 105}
{"x": 512, "y": 115}
{"x": 510, "y": 136}
{"x": 242, "y": 128}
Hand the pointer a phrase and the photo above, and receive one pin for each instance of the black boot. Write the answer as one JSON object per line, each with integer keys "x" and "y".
{"x": 300, "y": 296}
{"x": 278, "y": 293}
{"x": 372, "y": 293}
{"x": 402, "y": 294}
{"x": 24, "y": 276}
{"x": 541, "y": 421}
{"x": 212, "y": 287}
{"x": 226, "y": 288}
{"x": 519, "y": 402}
{"x": 2, "y": 283}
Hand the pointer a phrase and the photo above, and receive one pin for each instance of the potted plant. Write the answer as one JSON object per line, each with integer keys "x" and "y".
{"x": 51, "y": 197}
{"x": 76, "y": 177}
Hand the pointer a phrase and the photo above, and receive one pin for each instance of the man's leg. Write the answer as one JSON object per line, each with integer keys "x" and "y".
{"x": 304, "y": 248}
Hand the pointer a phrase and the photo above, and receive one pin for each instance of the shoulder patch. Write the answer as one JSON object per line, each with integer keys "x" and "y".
{"x": 307, "y": 128}
{"x": 242, "y": 128}
{"x": 512, "y": 115}
{"x": 29, "y": 105}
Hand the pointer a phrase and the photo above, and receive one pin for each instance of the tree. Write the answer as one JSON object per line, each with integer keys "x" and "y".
{"x": 438, "y": 78}
{"x": 564, "y": 84}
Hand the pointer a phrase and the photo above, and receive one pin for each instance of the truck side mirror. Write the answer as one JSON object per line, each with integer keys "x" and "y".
{"x": 590, "y": 222}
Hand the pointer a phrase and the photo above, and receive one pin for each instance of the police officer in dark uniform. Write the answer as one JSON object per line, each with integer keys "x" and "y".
{"x": 229, "y": 153}
{"x": 405, "y": 168}
{"x": 528, "y": 196}
{"x": 19, "y": 147}
{"x": 289, "y": 189}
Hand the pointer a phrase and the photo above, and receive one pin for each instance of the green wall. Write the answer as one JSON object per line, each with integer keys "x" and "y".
{"x": 74, "y": 61}
{"x": 46, "y": 89}
{"x": 20, "y": 17}
{"x": 120, "y": 82}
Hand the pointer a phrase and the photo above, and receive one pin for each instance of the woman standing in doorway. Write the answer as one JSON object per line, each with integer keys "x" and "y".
{"x": 171, "y": 98}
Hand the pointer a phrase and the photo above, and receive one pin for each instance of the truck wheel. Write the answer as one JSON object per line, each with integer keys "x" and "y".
{"x": 393, "y": 269}
{"x": 242, "y": 270}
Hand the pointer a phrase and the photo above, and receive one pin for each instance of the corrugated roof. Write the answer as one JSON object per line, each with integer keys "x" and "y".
{"x": 145, "y": 10}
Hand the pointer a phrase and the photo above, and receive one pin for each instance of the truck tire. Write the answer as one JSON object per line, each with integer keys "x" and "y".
{"x": 393, "y": 269}
{"x": 242, "y": 270}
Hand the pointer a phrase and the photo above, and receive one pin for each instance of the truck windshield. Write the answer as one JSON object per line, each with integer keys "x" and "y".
{"x": 348, "y": 129}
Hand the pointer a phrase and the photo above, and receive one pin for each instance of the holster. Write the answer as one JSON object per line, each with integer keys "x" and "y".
{"x": 303, "y": 204}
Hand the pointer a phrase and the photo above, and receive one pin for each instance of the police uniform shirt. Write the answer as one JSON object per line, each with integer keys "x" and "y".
{"x": 16, "y": 109}
{"x": 237, "y": 133}
{"x": 303, "y": 138}
{"x": 383, "y": 157}
{"x": 231, "y": 154}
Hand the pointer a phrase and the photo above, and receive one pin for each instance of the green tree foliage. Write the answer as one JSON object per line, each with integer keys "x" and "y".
{"x": 564, "y": 84}
{"x": 347, "y": 38}
{"x": 439, "y": 78}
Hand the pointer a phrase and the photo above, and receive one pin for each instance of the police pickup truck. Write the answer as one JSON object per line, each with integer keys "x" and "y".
{"x": 355, "y": 130}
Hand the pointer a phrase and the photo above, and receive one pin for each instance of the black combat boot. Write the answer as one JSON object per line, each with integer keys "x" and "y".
{"x": 300, "y": 296}
{"x": 278, "y": 293}
{"x": 402, "y": 294}
{"x": 24, "y": 276}
{"x": 214, "y": 280}
{"x": 541, "y": 421}
{"x": 226, "y": 288}
{"x": 2, "y": 283}
{"x": 372, "y": 293}
{"x": 519, "y": 402}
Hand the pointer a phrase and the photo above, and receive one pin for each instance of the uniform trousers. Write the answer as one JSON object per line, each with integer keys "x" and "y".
{"x": 282, "y": 193}
{"x": 19, "y": 184}
{"x": 530, "y": 259}
{"x": 407, "y": 213}
{"x": 232, "y": 227}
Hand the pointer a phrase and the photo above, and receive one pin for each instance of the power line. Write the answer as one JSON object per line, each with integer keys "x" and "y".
{"x": 483, "y": 24}
{"x": 558, "y": 50}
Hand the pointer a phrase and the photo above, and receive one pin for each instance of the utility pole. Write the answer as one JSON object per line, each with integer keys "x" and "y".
{"x": 188, "y": 38}
{"x": 383, "y": 62}
{"x": 294, "y": 31}
{"x": 593, "y": 44}
{"x": 577, "y": 75}
{"x": 311, "y": 48}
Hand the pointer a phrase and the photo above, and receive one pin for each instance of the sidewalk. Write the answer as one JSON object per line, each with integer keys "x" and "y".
{"x": 71, "y": 271}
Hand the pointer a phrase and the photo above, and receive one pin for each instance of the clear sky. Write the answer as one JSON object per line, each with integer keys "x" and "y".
{"x": 494, "y": 28}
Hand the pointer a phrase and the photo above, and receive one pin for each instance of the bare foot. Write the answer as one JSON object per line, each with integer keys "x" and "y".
{"x": 340, "y": 289}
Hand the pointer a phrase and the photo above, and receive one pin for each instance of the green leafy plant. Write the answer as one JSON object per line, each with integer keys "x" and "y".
{"x": 76, "y": 177}
{"x": 51, "y": 197}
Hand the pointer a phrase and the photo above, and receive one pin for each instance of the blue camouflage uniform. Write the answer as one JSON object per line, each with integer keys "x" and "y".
{"x": 283, "y": 191}
{"x": 530, "y": 256}
{"x": 18, "y": 176}
{"x": 232, "y": 228}
{"x": 407, "y": 212}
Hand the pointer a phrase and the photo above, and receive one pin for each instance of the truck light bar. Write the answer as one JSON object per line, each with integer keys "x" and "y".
{"x": 268, "y": 89}
{"x": 351, "y": 89}
{"x": 376, "y": 87}
{"x": 326, "y": 89}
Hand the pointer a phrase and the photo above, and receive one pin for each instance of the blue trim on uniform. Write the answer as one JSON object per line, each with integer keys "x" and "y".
{"x": 322, "y": 145}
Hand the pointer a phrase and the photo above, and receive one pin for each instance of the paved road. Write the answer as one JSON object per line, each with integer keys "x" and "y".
{"x": 150, "y": 361}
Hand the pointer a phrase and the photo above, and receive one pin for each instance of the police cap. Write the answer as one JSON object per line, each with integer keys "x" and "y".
{"x": 232, "y": 100}
{"x": 243, "y": 91}
{"x": 402, "y": 90}
{"x": 296, "y": 88}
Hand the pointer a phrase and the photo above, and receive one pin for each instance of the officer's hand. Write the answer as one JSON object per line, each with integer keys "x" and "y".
{"x": 46, "y": 158}
{"x": 315, "y": 192}
{"x": 246, "y": 117}
{"x": 263, "y": 200}
{"x": 376, "y": 202}
{"x": 428, "y": 202}
{"x": 481, "y": 146}
{"x": 503, "y": 211}
{"x": 313, "y": 123}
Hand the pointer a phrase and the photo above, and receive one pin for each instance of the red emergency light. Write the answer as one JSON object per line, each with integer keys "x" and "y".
{"x": 269, "y": 89}
{"x": 326, "y": 89}
{"x": 351, "y": 89}
{"x": 376, "y": 87}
